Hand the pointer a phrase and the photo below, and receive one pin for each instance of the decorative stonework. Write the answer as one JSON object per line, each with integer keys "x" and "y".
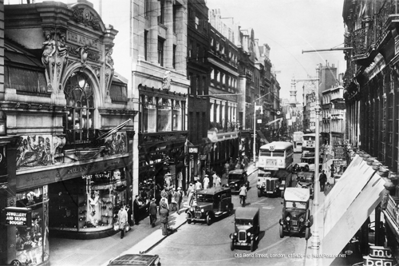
{"x": 40, "y": 150}
{"x": 54, "y": 57}
{"x": 86, "y": 16}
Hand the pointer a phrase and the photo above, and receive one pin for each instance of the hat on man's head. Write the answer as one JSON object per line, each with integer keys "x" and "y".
{"x": 168, "y": 174}
{"x": 179, "y": 188}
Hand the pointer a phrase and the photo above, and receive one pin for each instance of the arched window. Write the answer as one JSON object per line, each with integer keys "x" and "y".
{"x": 78, "y": 122}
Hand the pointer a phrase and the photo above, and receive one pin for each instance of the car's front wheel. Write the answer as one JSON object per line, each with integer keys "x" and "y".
{"x": 208, "y": 219}
{"x": 189, "y": 218}
{"x": 252, "y": 246}
{"x": 281, "y": 231}
{"x": 259, "y": 193}
{"x": 232, "y": 245}
{"x": 307, "y": 233}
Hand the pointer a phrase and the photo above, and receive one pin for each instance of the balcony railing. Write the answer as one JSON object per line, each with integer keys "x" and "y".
{"x": 392, "y": 211}
{"x": 373, "y": 31}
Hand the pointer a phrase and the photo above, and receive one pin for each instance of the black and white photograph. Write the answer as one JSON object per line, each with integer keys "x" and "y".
{"x": 199, "y": 132}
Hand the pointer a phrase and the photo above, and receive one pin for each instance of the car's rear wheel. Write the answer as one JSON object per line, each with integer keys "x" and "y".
{"x": 189, "y": 218}
{"x": 282, "y": 193}
{"x": 232, "y": 245}
{"x": 259, "y": 193}
{"x": 208, "y": 220}
{"x": 281, "y": 231}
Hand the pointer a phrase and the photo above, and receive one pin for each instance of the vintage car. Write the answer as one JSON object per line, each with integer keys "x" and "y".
{"x": 273, "y": 182}
{"x": 236, "y": 179}
{"x": 136, "y": 260}
{"x": 210, "y": 204}
{"x": 296, "y": 214}
{"x": 246, "y": 228}
{"x": 306, "y": 180}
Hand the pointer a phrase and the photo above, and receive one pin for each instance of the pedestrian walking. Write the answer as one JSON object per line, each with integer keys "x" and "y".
{"x": 206, "y": 182}
{"x": 173, "y": 204}
{"x": 136, "y": 209}
{"x": 243, "y": 194}
{"x": 178, "y": 198}
{"x": 164, "y": 217}
{"x": 239, "y": 165}
{"x": 246, "y": 161}
{"x": 322, "y": 180}
{"x": 190, "y": 193}
{"x": 122, "y": 220}
{"x": 217, "y": 182}
{"x": 198, "y": 185}
{"x": 153, "y": 210}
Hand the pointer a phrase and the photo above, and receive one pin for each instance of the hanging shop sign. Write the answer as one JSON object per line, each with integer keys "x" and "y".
{"x": 193, "y": 150}
{"x": 17, "y": 216}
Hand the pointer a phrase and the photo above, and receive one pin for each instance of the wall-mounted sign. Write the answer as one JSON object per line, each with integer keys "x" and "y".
{"x": 16, "y": 216}
{"x": 192, "y": 150}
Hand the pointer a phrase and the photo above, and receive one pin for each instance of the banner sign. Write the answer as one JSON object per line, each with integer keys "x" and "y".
{"x": 16, "y": 216}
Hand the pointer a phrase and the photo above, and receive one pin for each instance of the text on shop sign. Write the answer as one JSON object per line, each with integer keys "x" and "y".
{"x": 18, "y": 216}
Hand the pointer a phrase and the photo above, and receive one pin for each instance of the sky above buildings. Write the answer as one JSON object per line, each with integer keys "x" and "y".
{"x": 288, "y": 27}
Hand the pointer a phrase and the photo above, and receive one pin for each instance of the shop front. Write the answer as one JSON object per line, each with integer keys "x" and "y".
{"x": 84, "y": 197}
{"x": 161, "y": 164}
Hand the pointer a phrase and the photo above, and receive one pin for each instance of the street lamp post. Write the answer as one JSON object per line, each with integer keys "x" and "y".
{"x": 254, "y": 144}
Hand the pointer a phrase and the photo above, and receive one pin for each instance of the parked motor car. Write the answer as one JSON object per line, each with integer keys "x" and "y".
{"x": 136, "y": 260}
{"x": 210, "y": 204}
{"x": 236, "y": 179}
{"x": 246, "y": 228}
{"x": 306, "y": 180}
{"x": 296, "y": 218}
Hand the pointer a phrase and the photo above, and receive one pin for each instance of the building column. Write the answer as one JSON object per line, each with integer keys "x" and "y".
{"x": 181, "y": 36}
{"x": 168, "y": 53}
{"x": 153, "y": 33}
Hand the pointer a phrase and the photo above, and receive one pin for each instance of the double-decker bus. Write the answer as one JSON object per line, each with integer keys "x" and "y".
{"x": 309, "y": 141}
{"x": 276, "y": 155}
{"x": 297, "y": 137}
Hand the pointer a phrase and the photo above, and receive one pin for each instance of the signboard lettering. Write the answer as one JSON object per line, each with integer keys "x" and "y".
{"x": 18, "y": 216}
{"x": 81, "y": 40}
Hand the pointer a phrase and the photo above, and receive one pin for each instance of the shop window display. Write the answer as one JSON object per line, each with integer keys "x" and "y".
{"x": 31, "y": 243}
{"x": 89, "y": 203}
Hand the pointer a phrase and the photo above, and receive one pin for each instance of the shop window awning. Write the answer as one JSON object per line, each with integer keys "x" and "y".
{"x": 347, "y": 207}
{"x": 213, "y": 136}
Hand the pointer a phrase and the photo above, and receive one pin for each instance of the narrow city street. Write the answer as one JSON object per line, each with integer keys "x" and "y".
{"x": 200, "y": 244}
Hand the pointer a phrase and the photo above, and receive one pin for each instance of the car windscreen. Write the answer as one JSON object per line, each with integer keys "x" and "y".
{"x": 235, "y": 176}
{"x": 244, "y": 222}
{"x": 204, "y": 198}
{"x": 295, "y": 204}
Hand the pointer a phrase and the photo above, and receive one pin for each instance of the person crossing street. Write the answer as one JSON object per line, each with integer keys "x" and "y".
{"x": 243, "y": 194}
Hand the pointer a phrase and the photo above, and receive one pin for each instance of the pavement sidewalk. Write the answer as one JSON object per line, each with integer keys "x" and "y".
{"x": 177, "y": 219}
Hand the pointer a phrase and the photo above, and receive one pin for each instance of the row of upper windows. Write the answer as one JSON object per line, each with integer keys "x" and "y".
{"x": 222, "y": 49}
{"x": 197, "y": 53}
{"x": 197, "y": 84}
{"x": 225, "y": 79}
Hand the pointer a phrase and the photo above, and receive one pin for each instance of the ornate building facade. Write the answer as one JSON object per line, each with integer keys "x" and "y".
{"x": 68, "y": 128}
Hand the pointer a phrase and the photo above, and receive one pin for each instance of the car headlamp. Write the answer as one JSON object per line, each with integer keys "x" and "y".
{"x": 301, "y": 219}
{"x": 192, "y": 209}
{"x": 249, "y": 234}
{"x": 235, "y": 234}
{"x": 288, "y": 218}
{"x": 231, "y": 236}
{"x": 202, "y": 210}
